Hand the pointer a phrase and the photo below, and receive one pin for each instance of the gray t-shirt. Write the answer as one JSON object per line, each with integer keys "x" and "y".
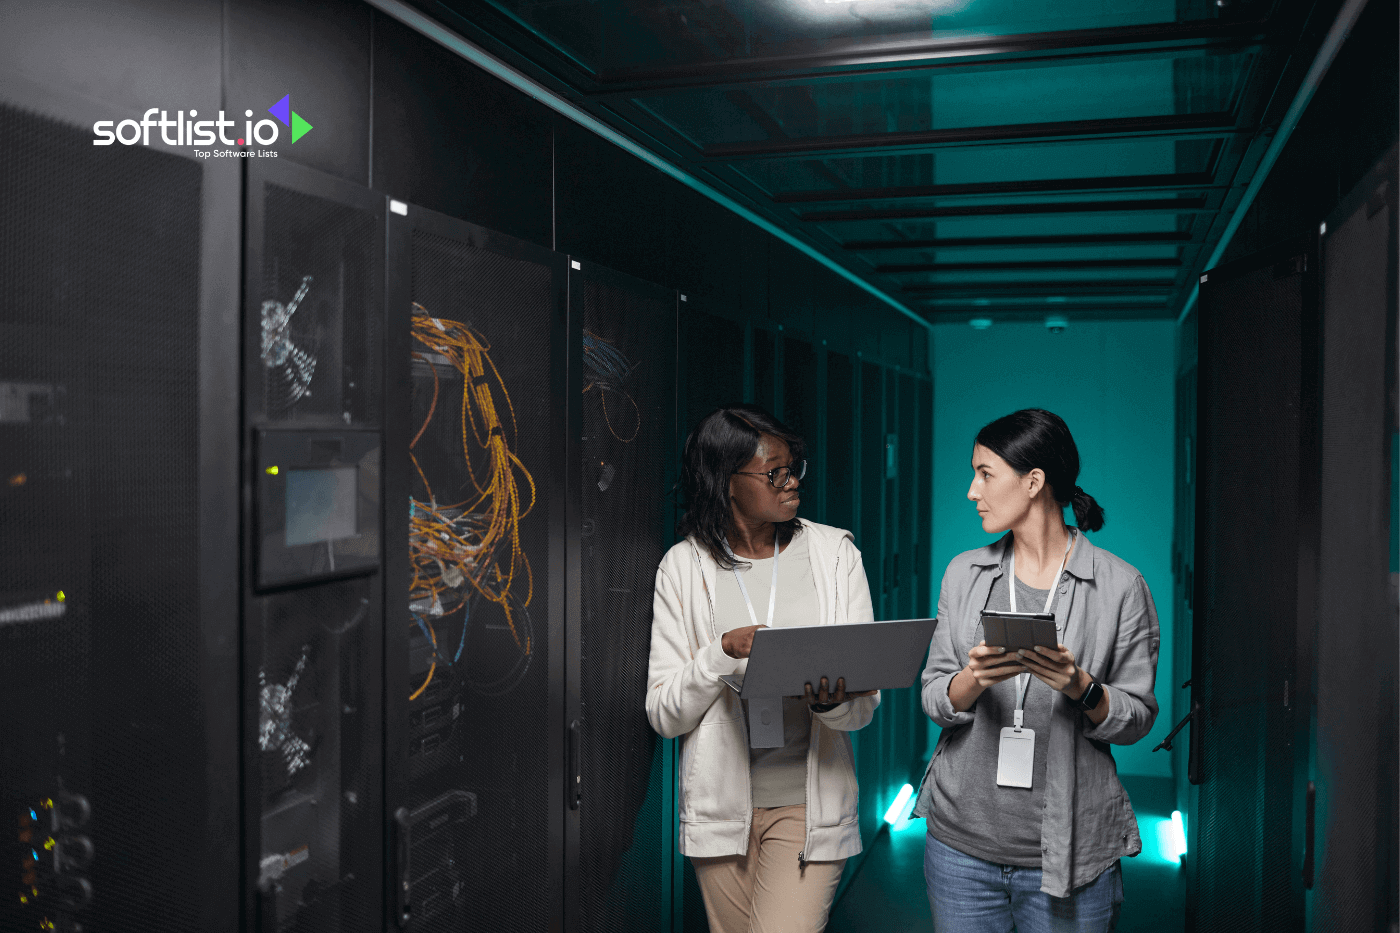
{"x": 974, "y": 814}
{"x": 778, "y": 775}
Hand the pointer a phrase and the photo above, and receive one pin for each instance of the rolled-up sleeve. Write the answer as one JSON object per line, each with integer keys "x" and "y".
{"x": 680, "y": 688}
{"x": 1132, "y": 677}
{"x": 943, "y": 664}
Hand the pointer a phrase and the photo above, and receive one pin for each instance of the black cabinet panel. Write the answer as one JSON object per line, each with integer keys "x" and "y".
{"x": 475, "y": 570}
{"x": 1253, "y": 583}
{"x": 627, "y": 461}
{"x": 100, "y": 656}
{"x": 313, "y": 345}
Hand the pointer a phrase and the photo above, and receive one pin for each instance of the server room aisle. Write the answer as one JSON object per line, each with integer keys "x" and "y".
{"x": 887, "y": 895}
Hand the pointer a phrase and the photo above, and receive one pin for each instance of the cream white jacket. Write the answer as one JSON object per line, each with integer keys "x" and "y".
{"x": 686, "y": 698}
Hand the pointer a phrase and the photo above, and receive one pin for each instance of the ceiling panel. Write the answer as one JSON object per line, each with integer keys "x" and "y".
{"x": 957, "y": 154}
{"x": 612, "y": 35}
{"x": 1058, "y": 165}
{"x": 1191, "y": 81}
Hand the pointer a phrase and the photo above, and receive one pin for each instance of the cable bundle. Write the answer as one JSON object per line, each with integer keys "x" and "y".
{"x": 472, "y": 546}
{"x": 608, "y": 371}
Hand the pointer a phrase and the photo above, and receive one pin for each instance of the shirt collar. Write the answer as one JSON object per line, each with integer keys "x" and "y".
{"x": 996, "y": 554}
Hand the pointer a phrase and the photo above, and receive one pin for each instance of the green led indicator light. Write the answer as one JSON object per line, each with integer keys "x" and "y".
{"x": 271, "y": 471}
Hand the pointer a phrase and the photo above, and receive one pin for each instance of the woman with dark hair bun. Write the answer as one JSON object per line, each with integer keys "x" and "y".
{"x": 1026, "y": 816}
{"x": 767, "y": 829}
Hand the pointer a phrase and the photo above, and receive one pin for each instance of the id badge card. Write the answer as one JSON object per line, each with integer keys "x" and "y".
{"x": 1016, "y": 757}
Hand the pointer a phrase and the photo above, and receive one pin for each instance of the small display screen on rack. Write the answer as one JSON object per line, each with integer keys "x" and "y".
{"x": 320, "y": 505}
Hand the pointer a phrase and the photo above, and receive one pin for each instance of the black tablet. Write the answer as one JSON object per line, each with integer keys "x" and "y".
{"x": 1016, "y": 630}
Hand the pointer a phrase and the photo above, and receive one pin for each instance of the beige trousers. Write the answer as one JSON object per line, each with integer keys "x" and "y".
{"x": 765, "y": 891}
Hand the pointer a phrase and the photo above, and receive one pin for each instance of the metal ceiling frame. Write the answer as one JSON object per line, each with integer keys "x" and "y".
{"x": 1003, "y": 242}
{"x": 1052, "y": 286}
{"x": 1284, "y": 41}
{"x": 1028, "y": 264}
{"x": 1176, "y": 126}
{"x": 865, "y": 58}
{"x": 1140, "y": 205}
{"x": 1184, "y": 181}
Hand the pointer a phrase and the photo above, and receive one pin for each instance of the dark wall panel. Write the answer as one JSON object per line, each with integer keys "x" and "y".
{"x": 611, "y": 207}
{"x": 318, "y": 52}
{"x": 926, "y": 595}
{"x": 840, "y": 441}
{"x": 717, "y": 257}
{"x": 870, "y": 536}
{"x": 910, "y": 497}
{"x": 800, "y": 409}
{"x": 711, "y": 366}
{"x": 451, "y": 138}
{"x": 112, "y": 60}
{"x": 765, "y": 369}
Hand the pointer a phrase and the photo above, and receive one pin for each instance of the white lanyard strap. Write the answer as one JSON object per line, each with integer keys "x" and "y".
{"x": 1049, "y": 597}
{"x": 773, "y": 590}
{"x": 1023, "y": 681}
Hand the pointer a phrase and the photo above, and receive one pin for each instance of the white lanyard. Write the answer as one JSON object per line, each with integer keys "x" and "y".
{"x": 772, "y": 592}
{"x": 1023, "y": 681}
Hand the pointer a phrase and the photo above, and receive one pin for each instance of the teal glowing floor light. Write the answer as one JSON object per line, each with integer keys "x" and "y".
{"x": 903, "y": 802}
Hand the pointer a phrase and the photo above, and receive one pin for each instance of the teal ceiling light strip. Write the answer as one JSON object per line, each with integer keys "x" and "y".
{"x": 1336, "y": 37}
{"x": 419, "y": 22}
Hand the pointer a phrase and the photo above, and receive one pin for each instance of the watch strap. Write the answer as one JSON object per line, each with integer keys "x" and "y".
{"x": 1090, "y": 697}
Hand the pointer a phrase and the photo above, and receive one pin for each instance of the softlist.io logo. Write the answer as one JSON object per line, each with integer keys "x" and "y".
{"x": 187, "y": 130}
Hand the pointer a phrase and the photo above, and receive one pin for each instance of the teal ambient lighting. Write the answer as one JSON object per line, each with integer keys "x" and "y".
{"x": 1170, "y": 838}
{"x": 902, "y": 800}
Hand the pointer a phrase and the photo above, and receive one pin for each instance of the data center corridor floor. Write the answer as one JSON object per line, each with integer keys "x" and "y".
{"x": 887, "y": 895}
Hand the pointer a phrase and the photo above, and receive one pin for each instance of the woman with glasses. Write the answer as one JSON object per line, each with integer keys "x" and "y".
{"x": 1026, "y": 816}
{"x": 767, "y": 829}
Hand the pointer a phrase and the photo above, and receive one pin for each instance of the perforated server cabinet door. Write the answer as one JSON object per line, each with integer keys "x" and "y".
{"x": 1255, "y": 529}
{"x": 1354, "y": 755}
{"x": 475, "y": 480}
{"x": 313, "y": 352}
{"x": 621, "y": 838}
{"x": 102, "y": 739}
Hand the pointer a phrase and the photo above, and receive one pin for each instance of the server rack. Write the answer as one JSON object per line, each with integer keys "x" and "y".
{"x": 313, "y": 409}
{"x": 1348, "y": 806}
{"x": 115, "y": 629}
{"x": 1254, "y": 585}
{"x": 477, "y": 545}
{"x": 619, "y": 786}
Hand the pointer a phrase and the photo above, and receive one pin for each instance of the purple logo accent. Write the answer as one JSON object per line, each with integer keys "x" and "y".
{"x": 282, "y": 110}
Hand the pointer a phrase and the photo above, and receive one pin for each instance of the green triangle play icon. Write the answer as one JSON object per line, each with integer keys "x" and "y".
{"x": 299, "y": 127}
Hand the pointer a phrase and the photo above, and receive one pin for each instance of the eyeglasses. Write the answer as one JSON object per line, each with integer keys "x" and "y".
{"x": 780, "y": 476}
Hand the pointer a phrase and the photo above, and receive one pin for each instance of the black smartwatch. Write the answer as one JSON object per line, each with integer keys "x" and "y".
{"x": 1091, "y": 696}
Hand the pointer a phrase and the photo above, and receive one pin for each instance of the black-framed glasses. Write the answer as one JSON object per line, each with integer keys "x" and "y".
{"x": 780, "y": 476}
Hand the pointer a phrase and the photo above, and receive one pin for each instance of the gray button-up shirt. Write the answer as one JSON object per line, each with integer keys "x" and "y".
{"x": 1105, "y": 615}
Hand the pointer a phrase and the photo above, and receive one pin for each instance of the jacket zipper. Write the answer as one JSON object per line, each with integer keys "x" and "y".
{"x": 836, "y": 602}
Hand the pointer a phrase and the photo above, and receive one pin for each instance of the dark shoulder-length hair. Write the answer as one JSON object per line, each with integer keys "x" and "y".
{"x": 1034, "y": 437}
{"x": 720, "y": 445}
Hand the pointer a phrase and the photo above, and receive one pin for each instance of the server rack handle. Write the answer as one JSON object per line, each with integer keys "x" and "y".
{"x": 403, "y": 882}
{"x": 1309, "y": 829}
{"x": 575, "y": 764}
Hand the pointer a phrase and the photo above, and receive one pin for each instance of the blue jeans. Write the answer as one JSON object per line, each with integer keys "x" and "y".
{"x": 969, "y": 895}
